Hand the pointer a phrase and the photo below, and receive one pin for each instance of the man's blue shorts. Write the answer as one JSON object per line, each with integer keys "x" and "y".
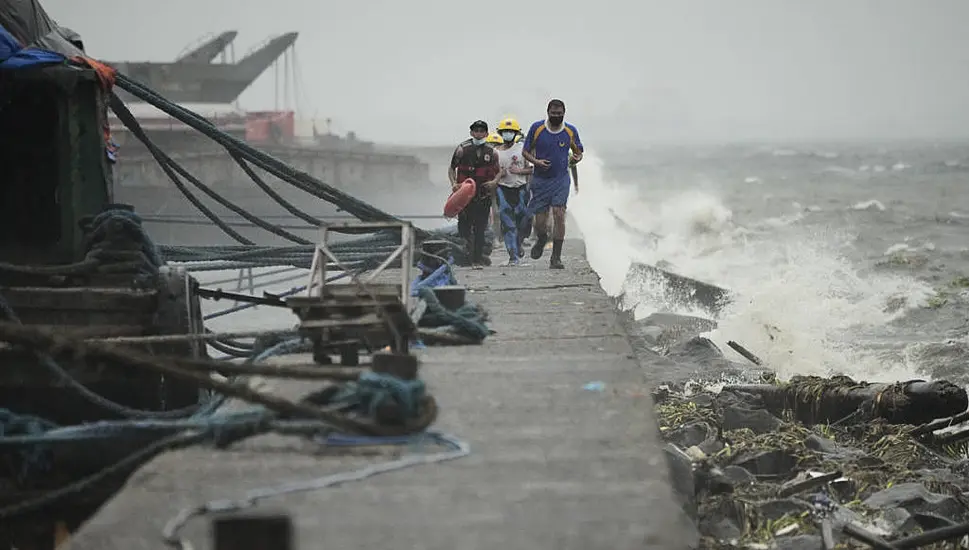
{"x": 548, "y": 192}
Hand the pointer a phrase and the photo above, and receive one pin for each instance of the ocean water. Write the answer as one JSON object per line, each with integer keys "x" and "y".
{"x": 842, "y": 260}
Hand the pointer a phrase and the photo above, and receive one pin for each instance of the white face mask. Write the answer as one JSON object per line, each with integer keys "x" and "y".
{"x": 477, "y": 141}
{"x": 508, "y": 136}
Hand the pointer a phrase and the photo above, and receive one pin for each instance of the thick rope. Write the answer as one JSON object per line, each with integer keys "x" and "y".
{"x": 290, "y": 207}
{"x": 468, "y": 320}
{"x": 105, "y": 237}
{"x": 297, "y": 178}
{"x": 164, "y": 160}
{"x": 373, "y": 390}
{"x": 45, "y": 342}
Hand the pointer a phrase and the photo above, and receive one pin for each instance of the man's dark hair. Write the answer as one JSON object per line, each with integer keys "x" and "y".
{"x": 555, "y": 103}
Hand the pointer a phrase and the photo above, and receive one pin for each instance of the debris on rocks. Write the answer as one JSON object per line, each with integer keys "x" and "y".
{"x": 820, "y": 463}
{"x": 815, "y": 400}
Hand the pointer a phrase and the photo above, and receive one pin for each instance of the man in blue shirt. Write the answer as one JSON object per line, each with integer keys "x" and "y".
{"x": 547, "y": 146}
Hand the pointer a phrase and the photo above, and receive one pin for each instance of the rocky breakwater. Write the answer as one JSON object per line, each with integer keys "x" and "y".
{"x": 808, "y": 463}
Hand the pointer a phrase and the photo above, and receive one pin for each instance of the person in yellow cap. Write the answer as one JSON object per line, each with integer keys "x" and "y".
{"x": 512, "y": 191}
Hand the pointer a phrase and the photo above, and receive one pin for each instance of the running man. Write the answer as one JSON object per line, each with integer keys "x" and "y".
{"x": 547, "y": 145}
{"x": 474, "y": 158}
{"x": 512, "y": 190}
{"x": 495, "y": 140}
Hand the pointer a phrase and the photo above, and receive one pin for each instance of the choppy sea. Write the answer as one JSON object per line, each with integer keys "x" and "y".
{"x": 850, "y": 260}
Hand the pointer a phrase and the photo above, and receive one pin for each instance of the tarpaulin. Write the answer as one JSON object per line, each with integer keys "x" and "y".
{"x": 29, "y": 37}
{"x": 27, "y": 21}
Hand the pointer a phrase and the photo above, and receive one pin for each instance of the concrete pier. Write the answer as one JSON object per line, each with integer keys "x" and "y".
{"x": 553, "y": 464}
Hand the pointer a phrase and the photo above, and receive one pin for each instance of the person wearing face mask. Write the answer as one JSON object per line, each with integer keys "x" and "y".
{"x": 512, "y": 189}
{"x": 474, "y": 158}
{"x": 548, "y": 145}
{"x": 494, "y": 140}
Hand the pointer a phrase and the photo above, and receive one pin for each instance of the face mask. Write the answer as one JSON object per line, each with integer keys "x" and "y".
{"x": 556, "y": 120}
{"x": 508, "y": 136}
{"x": 477, "y": 141}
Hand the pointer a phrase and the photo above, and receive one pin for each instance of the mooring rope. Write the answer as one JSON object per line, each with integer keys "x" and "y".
{"x": 201, "y": 421}
{"x": 241, "y": 150}
{"x": 454, "y": 449}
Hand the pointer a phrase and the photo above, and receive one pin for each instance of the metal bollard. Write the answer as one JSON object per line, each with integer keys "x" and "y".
{"x": 253, "y": 531}
{"x": 451, "y": 296}
{"x": 433, "y": 251}
{"x": 401, "y": 365}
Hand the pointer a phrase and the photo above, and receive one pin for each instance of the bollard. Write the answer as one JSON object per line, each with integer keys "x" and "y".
{"x": 253, "y": 531}
{"x": 401, "y": 365}
{"x": 433, "y": 251}
{"x": 450, "y": 296}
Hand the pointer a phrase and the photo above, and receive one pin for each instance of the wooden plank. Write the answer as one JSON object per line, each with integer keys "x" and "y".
{"x": 342, "y": 309}
{"x": 376, "y": 289}
{"x": 94, "y": 331}
{"x": 337, "y": 303}
{"x": 368, "y": 319}
{"x": 74, "y": 298}
{"x": 81, "y": 317}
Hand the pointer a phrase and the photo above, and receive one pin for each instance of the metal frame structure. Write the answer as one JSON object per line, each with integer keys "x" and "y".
{"x": 361, "y": 314}
{"x": 405, "y": 251}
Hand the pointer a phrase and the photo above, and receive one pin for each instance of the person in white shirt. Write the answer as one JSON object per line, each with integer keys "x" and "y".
{"x": 512, "y": 191}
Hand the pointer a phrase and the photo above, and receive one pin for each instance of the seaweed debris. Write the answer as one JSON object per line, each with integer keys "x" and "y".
{"x": 819, "y": 462}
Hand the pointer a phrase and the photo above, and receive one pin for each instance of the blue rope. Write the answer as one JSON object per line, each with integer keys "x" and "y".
{"x": 374, "y": 389}
{"x": 441, "y": 276}
{"x": 468, "y": 320}
{"x": 453, "y": 449}
{"x": 286, "y": 347}
{"x": 29, "y": 431}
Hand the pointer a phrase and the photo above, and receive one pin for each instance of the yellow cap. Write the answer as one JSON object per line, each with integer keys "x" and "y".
{"x": 509, "y": 124}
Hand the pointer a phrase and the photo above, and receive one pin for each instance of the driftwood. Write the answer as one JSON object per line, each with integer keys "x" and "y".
{"x": 745, "y": 353}
{"x": 815, "y": 400}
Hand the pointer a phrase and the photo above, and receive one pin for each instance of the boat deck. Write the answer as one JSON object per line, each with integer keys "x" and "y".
{"x": 552, "y": 465}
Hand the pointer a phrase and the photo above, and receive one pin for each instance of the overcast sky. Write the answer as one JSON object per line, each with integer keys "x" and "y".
{"x": 420, "y": 71}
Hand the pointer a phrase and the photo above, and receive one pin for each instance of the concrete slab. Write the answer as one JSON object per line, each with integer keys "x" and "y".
{"x": 552, "y": 465}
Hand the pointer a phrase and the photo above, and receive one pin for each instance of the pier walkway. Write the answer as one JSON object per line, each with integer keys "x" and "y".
{"x": 552, "y": 465}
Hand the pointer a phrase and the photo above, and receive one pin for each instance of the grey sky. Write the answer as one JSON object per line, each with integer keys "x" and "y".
{"x": 421, "y": 71}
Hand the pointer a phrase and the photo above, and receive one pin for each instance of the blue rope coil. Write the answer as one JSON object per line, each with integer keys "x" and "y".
{"x": 373, "y": 390}
{"x": 468, "y": 320}
{"x": 35, "y": 436}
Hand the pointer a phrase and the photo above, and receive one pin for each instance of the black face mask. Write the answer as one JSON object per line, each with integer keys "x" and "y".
{"x": 556, "y": 120}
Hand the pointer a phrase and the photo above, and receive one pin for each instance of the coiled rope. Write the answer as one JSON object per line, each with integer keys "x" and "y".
{"x": 468, "y": 321}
